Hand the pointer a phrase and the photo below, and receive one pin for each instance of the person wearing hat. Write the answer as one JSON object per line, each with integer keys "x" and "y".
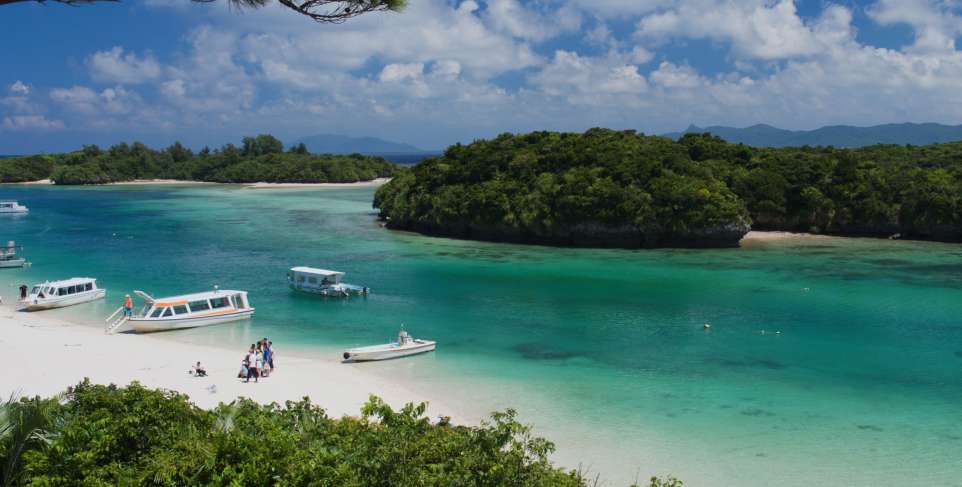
{"x": 128, "y": 306}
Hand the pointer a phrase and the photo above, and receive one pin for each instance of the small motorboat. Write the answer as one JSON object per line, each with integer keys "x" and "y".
{"x": 13, "y": 208}
{"x": 60, "y": 294}
{"x": 9, "y": 257}
{"x": 403, "y": 347}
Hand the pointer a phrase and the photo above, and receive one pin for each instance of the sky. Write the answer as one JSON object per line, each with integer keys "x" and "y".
{"x": 447, "y": 71}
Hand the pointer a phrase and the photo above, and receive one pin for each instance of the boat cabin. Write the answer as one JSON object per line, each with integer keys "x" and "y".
{"x": 76, "y": 285}
{"x": 311, "y": 277}
{"x": 200, "y": 304}
{"x": 12, "y": 207}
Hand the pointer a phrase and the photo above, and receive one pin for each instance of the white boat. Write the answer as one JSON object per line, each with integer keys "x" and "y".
{"x": 187, "y": 311}
{"x": 403, "y": 347}
{"x": 9, "y": 257}
{"x": 12, "y": 207}
{"x": 323, "y": 282}
{"x": 58, "y": 294}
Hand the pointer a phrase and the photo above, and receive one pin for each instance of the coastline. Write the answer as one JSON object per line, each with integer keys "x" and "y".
{"x": 55, "y": 354}
{"x": 259, "y": 185}
{"x": 775, "y": 235}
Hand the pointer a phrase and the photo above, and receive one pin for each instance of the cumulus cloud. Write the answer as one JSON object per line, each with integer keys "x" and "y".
{"x": 116, "y": 66}
{"x": 30, "y": 122}
{"x": 758, "y": 29}
{"x": 18, "y": 88}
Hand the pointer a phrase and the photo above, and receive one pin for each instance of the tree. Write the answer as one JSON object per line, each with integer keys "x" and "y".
{"x": 324, "y": 11}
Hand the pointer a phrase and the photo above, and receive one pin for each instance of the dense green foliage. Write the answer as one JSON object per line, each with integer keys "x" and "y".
{"x": 260, "y": 158}
{"x": 539, "y": 186}
{"x": 105, "y": 435}
{"x": 603, "y": 188}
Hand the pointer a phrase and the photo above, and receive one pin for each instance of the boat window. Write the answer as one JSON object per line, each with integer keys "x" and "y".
{"x": 312, "y": 280}
{"x": 168, "y": 312}
{"x": 300, "y": 278}
{"x": 61, "y": 291}
{"x": 219, "y": 303}
{"x": 89, "y": 286}
{"x": 157, "y": 312}
{"x": 196, "y": 306}
{"x": 239, "y": 302}
{"x": 180, "y": 309}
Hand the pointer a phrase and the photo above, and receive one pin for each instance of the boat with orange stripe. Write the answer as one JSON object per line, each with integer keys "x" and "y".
{"x": 190, "y": 310}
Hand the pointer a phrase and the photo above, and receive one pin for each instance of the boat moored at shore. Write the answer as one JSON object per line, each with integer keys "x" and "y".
{"x": 403, "y": 347}
{"x": 59, "y": 294}
{"x": 323, "y": 282}
{"x": 12, "y": 207}
{"x": 188, "y": 311}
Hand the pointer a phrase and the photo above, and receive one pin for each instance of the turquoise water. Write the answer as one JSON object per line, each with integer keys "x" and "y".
{"x": 604, "y": 351}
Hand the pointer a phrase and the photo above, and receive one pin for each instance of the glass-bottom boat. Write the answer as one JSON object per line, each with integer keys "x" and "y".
{"x": 190, "y": 310}
{"x": 59, "y": 294}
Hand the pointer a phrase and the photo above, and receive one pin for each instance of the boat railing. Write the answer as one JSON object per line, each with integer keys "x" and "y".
{"x": 115, "y": 320}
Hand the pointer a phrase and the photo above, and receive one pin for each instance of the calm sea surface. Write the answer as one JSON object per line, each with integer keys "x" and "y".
{"x": 602, "y": 350}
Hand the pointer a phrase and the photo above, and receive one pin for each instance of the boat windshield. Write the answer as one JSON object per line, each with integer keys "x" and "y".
{"x": 35, "y": 290}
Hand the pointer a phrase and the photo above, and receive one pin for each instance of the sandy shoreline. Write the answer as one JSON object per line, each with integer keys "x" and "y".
{"x": 261, "y": 185}
{"x": 52, "y": 354}
{"x": 771, "y": 236}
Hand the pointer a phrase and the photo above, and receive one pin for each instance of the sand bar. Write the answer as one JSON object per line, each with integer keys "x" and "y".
{"x": 52, "y": 354}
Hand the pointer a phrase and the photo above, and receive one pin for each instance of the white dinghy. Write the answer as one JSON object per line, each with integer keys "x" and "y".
{"x": 403, "y": 347}
{"x": 58, "y": 294}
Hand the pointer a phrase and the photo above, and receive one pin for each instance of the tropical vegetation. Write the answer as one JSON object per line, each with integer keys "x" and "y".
{"x": 260, "y": 158}
{"x": 620, "y": 188}
{"x": 108, "y": 435}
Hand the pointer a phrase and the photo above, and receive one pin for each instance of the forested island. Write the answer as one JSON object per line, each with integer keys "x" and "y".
{"x": 258, "y": 159}
{"x": 610, "y": 188}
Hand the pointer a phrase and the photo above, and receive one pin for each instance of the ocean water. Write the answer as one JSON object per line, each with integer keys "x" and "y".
{"x": 828, "y": 362}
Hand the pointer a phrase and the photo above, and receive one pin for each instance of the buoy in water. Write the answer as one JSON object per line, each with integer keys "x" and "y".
{"x": 707, "y": 326}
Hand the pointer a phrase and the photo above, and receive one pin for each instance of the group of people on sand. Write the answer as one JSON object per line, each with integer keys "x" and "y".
{"x": 258, "y": 362}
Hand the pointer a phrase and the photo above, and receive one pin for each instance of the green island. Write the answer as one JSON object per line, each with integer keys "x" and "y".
{"x": 109, "y": 435}
{"x": 607, "y": 188}
{"x": 258, "y": 159}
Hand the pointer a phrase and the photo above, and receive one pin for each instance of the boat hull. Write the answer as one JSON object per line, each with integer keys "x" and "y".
{"x": 6, "y": 264}
{"x": 62, "y": 301}
{"x": 140, "y": 325}
{"x": 388, "y": 352}
{"x": 330, "y": 291}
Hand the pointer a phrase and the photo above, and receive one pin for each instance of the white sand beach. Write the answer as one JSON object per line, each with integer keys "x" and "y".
{"x": 761, "y": 236}
{"x": 361, "y": 184}
{"x": 51, "y": 354}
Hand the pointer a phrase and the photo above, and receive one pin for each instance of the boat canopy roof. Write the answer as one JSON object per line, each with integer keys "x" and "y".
{"x": 184, "y": 298}
{"x": 73, "y": 281}
{"x": 315, "y": 271}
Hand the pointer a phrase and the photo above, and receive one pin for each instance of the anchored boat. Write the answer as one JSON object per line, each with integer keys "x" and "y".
{"x": 186, "y": 311}
{"x": 12, "y": 207}
{"x": 9, "y": 257}
{"x": 403, "y": 347}
{"x": 59, "y": 294}
{"x": 323, "y": 282}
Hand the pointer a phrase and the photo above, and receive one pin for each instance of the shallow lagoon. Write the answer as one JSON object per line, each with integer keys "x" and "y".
{"x": 603, "y": 350}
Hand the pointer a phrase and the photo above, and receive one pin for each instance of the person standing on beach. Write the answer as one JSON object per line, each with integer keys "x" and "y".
{"x": 128, "y": 306}
{"x": 270, "y": 362}
{"x": 251, "y": 364}
{"x": 23, "y": 292}
{"x": 267, "y": 360}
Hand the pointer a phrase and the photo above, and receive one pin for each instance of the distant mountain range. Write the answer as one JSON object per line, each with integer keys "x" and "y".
{"x": 835, "y": 135}
{"x": 343, "y": 144}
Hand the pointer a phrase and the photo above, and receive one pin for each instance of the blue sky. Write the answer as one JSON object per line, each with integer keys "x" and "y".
{"x": 445, "y": 71}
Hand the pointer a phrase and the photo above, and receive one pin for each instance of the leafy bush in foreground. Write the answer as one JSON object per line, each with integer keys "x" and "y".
{"x": 107, "y": 435}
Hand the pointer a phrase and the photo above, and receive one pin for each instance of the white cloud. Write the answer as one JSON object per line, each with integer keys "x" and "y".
{"x": 115, "y": 66}
{"x": 18, "y": 88}
{"x": 30, "y": 122}
{"x": 756, "y": 29}
{"x": 524, "y": 22}
{"x": 401, "y": 72}
{"x": 936, "y": 23}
